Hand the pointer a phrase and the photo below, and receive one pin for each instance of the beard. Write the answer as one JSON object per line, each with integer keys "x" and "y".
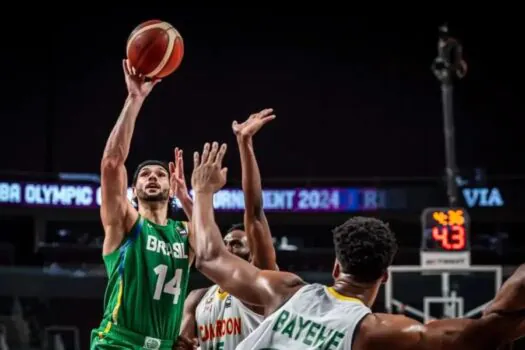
{"x": 161, "y": 196}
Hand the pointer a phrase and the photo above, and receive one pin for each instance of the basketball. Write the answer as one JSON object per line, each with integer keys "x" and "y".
{"x": 155, "y": 49}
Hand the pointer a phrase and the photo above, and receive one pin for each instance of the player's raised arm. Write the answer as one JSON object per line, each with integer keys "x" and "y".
{"x": 255, "y": 223}
{"x": 116, "y": 212}
{"x": 233, "y": 274}
{"x": 178, "y": 187}
{"x": 499, "y": 325}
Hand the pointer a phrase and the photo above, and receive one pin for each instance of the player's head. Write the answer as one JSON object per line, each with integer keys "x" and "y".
{"x": 364, "y": 249}
{"x": 237, "y": 243}
{"x": 151, "y": 182}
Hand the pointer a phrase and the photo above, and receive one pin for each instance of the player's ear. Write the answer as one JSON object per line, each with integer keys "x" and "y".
{"x": 337, "y": 270}
{"x": 384, "y": 279}
{"x": 134, "y": 199}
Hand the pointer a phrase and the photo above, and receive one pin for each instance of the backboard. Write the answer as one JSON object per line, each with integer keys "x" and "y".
{"x": 427, "y": 294}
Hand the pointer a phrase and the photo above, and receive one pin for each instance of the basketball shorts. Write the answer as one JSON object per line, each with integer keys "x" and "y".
{"x": 114, "y": 337}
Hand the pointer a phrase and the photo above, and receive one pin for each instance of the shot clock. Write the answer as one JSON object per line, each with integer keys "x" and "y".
{"x": 445, "y": 239}
{"x": 445, "y": 229}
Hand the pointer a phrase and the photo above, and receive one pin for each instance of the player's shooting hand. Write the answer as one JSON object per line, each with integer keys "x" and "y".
{"x": 185, "y": 343}
{"x": 136, "y": 83}
{"x": 178, "y": 187}
{"x": 253, "y": 123}
{"x": 208, "y": 174}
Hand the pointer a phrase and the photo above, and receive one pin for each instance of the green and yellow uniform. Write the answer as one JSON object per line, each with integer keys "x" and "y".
{"x": 148, "y": 278}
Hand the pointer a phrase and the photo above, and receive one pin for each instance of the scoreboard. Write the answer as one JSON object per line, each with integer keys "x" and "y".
{"x": 445, "y": 239}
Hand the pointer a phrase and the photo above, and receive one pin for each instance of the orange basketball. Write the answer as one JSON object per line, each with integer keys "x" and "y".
{"x": 155, "y": 49}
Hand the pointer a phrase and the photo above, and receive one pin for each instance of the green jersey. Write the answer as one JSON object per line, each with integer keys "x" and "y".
{"x": 148, "y": 278}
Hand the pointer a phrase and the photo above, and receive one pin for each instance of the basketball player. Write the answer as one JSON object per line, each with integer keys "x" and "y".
{"x": 313, "y": 316}
{"x": 221, "y": 320}
{"x": 146, "y": 254}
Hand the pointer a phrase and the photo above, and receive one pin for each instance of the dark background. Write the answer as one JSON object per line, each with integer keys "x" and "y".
{"x": 354, "y": 95}
{"x": 356, "y": 104}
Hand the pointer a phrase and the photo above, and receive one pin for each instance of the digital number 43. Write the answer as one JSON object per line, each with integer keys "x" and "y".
{"x": 452, "y": 238}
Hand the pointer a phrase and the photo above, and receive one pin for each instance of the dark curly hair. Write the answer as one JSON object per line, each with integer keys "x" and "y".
{"x": 365, "y": 247}
{"x": 236, "y": 227}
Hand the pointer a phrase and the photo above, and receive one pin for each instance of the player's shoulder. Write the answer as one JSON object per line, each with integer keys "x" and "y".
{"x": 282, "y": 285}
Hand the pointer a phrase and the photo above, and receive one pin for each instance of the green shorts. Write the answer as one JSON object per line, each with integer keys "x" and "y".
{"x": 115, "y": 337}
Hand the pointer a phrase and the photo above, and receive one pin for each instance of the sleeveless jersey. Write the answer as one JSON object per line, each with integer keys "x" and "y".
{"x": 147, "y": 280}
{"x": 223, "y": 321}
{"x": 315, "y": 317}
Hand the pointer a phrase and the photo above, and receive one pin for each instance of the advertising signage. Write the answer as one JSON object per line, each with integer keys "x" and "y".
{"x": 382, "y": 196}
{"x": 323, "y": 199}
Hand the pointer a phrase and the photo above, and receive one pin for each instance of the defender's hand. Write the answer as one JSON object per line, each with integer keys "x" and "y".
{"x": 253, "y": 123}
{"x": 208, "y": 174}
{"x": 185, "y": 343}
{"x": 178, "y": 187}
{"x": 136, "y": 83}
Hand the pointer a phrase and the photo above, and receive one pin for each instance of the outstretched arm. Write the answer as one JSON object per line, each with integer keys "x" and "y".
{"x": 499, "y": 325}
{"x": 256, "y": 225}
{"x": 397, "y": 332}
{"x": 117, "y": 214}
{"x": 233, "y": 274}
{"x": 179, "y": 189}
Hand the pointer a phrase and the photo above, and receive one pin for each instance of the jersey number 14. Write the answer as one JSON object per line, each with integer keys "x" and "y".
{"x": 171, "y": 287}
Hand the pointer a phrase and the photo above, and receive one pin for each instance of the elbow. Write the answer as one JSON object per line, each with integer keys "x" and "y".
{"x": 258, "y": 209}
{"x": 111, "y": 162}
{"x": 208, "y": 255}
{"x": 205, "y": 260}
{"x": 254, "y": 210}
{"x": 272, "y": 261}
{"x": 201, "y": 262}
